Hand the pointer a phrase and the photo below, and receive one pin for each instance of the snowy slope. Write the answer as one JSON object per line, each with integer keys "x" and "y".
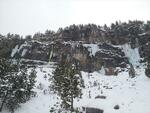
{"x": 132, "y": 95}
{"x": 44, "y": 99}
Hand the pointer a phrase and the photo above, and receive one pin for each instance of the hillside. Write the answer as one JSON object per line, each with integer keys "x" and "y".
{"x": 131, "y": 94}
{"x": 92, "y": 45}
{"x": 106, "y": 55}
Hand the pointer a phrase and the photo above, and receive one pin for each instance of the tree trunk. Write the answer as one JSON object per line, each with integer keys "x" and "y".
{"x": 71, "y": 103}
{"x": 3, "y": 102}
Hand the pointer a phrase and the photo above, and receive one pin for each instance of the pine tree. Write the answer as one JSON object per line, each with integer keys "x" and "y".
{"x": 67, "y": 82}
{"x": 15, "y": 84}
{"x": 147, "y": 69}
{"x": 4, "y": 84}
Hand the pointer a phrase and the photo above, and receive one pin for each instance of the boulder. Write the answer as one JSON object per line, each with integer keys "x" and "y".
{"x": 116, "y": 107}
{"x": 111, "y": 71}
{"x": 94, "y": 110}
{"x": 100, "y": 97}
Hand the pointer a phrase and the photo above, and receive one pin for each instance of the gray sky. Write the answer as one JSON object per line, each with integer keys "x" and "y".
{"x": 30, "y": 16}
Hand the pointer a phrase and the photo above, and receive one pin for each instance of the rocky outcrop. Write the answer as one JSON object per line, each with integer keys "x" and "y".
{"x": 92, "y": 45}
{"x": 31, "y": 50}
{"x": 104, "y": 54}
{"x": 116, "y": 107}
{"x": 110, "y": 57}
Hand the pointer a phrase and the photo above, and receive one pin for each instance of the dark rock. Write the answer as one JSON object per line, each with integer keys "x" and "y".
{"x": 107, "y": 87}
{"x": 116, "y": 107}
{"x": 111, "y": 71}
{"x": 110, "y": 56}
{"x": 94, "y": 110}
{"x": 100, "y": 97}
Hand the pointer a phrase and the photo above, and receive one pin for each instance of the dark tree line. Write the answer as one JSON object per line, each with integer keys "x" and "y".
{"x": 119, "y": 29}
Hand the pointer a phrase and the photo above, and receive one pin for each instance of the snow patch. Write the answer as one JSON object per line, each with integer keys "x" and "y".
{"x": 92, "y": 48}
{"x": 102, "y": 71}
{"x": 17, "y": 49}
{"x": 14, "y": 51}
{"x": 24, "y": 52}
{"x": 132, "y": 54}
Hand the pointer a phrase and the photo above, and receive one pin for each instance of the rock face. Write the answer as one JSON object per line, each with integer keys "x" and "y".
{"x": 104, "y": 54}
{"x": 111, "y": 57}
{"x": 93, "y": 46}
{"x": 31, "y": 50}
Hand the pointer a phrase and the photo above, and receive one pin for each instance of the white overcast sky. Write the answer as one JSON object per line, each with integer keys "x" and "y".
{"x": 30, "y": 16}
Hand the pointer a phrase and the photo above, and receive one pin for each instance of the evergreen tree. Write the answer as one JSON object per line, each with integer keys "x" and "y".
{"x": 15, "y": 84}
{"x": 67, "y": 82}
{"x": 147, "y": 26}
{"x": 147, "y": 70}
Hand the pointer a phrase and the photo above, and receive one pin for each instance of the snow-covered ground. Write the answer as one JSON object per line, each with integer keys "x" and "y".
{"x": 131, "y": 94}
